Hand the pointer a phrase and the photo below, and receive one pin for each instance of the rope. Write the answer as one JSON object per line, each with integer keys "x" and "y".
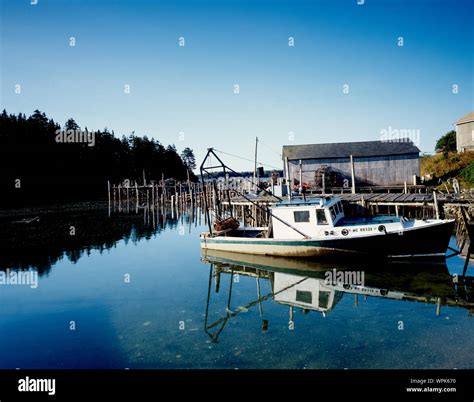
{"x": 246, "y": 159}
{"x": 269, "y": 148}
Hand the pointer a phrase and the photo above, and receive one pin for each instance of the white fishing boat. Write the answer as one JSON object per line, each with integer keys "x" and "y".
{"x": 315, "y": 227}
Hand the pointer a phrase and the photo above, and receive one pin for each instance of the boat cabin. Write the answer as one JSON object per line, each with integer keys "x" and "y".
{"x": 306, "y": 293}
{"x": 312, "y": 216}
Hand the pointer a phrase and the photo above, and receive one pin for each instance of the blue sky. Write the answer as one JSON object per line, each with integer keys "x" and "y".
{"x": 283, "y": 89}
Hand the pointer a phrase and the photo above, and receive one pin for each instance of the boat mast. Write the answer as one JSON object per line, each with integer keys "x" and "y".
{"x": 255, "y": 166}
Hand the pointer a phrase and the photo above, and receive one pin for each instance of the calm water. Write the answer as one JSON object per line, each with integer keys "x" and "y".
{"x": 169, "y": 315}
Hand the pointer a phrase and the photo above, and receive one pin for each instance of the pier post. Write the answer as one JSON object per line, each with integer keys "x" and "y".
{"x": 128, "y": 197}
{"x": 288, "y": 186}
{"x": 153, "y": 196}
{"x": 353, "y": 175}
{"x": 301, "y": 176}
{"x": 120, "y": 196}
{"x": 158, "y": 199}
{"x": 435, "y": 202}
{"x": 136, "y": 195}
{"x": 108, "y": 193}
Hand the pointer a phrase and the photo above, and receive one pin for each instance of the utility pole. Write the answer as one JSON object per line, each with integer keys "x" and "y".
{"x": 255, "y": 166}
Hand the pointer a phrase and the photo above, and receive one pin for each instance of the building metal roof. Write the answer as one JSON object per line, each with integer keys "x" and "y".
{"x": 345, "y": 149}
{"x": 466, "y": 119}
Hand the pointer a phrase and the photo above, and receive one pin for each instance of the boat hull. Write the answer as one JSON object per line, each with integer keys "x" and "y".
{"x": 430, "y": 240}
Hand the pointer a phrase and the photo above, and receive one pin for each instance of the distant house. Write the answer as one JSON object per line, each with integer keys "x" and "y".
{"x": 376, "y": 163}
{"x": 465, "y": 133}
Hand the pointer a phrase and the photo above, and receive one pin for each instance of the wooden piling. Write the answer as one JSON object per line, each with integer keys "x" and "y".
{"x": 153, "y": 196}
{"x": 435, "y": 203}
{"x": 108, "y": 193}
{"x": 137, "y": 198}
{"x": 353, "y": 175}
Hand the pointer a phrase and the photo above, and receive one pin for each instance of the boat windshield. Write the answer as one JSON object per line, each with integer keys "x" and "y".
{"x": 321, "y": 217}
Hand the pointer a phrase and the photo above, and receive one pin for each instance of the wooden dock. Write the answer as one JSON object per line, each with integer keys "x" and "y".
{"x": 414, "y": 199}
{"x": 250, "y": 209}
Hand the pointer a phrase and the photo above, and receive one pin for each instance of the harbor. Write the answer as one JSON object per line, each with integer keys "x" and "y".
{"x": 269, "y": 193}
{"x": 148, "y": 305}
{"x": 348, "y": 223}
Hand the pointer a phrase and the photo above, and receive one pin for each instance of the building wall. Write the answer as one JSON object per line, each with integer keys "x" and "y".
{"x": 464, "y": 137}
{"x": 377, "y": 170}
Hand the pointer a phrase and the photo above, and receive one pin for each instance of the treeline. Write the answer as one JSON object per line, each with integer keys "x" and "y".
{"x": 40, "y": 161}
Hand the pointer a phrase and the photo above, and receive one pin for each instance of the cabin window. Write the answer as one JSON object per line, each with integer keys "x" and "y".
{"x": 336, "y": 207}
{"x": 324, "y": 299}
{"x": 333, "y": 212}
{"x": 303, "y": 296}
{"x": 301, "y": 216}
{"x": 321, "y": 217}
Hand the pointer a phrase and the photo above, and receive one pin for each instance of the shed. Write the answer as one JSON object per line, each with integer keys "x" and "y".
{"x": 465, "y": 133}
{"x": 376, "y": 163}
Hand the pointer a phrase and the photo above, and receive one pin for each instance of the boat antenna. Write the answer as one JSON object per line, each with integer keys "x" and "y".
{"x": 255, "y": 166}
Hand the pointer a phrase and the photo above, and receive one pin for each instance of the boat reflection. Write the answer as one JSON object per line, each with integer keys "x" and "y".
{"x": 320, "y": 286}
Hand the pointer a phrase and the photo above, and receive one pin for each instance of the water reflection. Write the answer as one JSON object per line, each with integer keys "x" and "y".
{"x": 311, "y": 286}
{"x": 75, "y": 230}
{"x": 156, "y": 319}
